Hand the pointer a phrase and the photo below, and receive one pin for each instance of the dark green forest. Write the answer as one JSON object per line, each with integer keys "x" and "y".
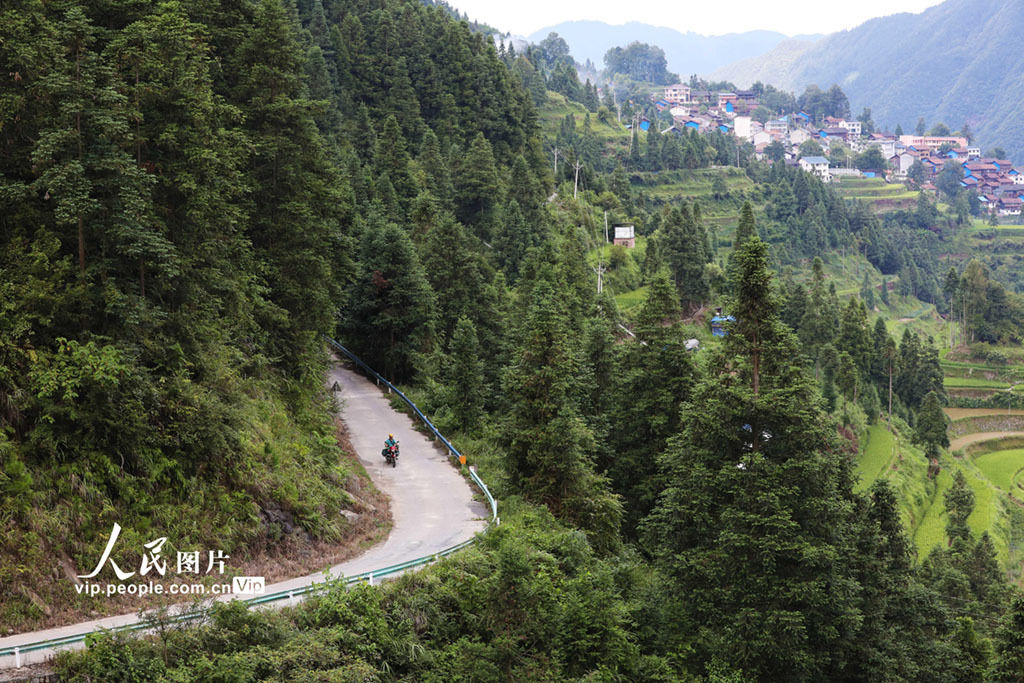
{"x": 192, "y": 194}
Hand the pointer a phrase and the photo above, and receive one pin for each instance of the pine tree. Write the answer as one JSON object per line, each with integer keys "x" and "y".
{"x": 548, "y": 443}
{"x": 389, "y": 320}
{"x": 99, "y": 195}
{"x": 436, "y": 170}
{"x": 634, "y": 149}
{"x": 464, "y": 376}
{"x": 745, "y": 229}
{"x": 931, "y": 425}
{"x": 477, "y": 188}
{"x": 959, "y": 504}
{"x": 294, "y": 217}
{"x": 645, "y": 412}
{"x": 755, "y": 491}
{"x": 684, "y": 248}
{"x": 1008, "y": 662}
{"x": 391, "y": 157}
{"x": 457, "y": 274}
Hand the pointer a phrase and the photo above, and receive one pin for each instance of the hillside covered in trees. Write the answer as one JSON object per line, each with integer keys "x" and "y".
{"x": 193, "y": 193}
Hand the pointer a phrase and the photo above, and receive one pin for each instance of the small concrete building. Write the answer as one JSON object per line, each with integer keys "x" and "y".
{"x": 624, "y": 236}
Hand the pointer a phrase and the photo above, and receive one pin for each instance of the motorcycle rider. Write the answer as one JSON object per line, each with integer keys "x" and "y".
{"x": 390, "y": 441}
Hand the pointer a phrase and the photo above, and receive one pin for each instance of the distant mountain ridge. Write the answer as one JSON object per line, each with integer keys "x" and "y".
{"x": 687, "y": 53}
{"x": 956, "y": 62}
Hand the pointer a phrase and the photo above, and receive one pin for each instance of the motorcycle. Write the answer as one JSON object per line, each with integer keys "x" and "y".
{"x": 390, "y": 454}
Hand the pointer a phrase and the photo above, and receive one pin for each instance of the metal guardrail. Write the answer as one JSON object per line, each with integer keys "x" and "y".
{"x": 368, "y": 576}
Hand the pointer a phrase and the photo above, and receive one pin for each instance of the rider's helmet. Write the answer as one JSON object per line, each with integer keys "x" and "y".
{"x": 391, "y": 436}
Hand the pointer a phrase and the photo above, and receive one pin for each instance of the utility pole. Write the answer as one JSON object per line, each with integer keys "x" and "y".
{"x": 576, "y": 181}
{"x": 600, "y": 271}
{"x": 556, "y": 165}
{"x": 606, "y": 227}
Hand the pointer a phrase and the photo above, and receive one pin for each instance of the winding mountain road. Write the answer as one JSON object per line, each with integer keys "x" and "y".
{"x": 432, "y": 506}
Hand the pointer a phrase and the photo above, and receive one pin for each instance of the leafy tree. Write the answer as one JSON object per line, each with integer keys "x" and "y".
{"x": 871, "y": 159}
{"x": 775, "y": 151}
{"x": 916, "y": 172}
{"x": 555, "y": 51}
{"x": 640, "y": 62}
{"x": 811, "y": 148}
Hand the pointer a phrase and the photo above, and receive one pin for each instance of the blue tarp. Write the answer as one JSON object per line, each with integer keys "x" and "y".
{"x": 718, "y": 324}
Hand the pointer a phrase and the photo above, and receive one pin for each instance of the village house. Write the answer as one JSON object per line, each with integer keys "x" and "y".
{"x": 726, "y": 98}
{"x": 925, "y": 142}
{"x": 677, "y": 94}
{"x": 1009, "y": 206}
{"x": 741, "y": 126}
{"x": 887, "y": 146}
{"x": 798, "y": 137}
{"x": 700, "y": 97}
{"x": 746, "y": 97}
{"x": 902, "y": 162}
{"x": 624, "y": 235}
{"x": 833, "y": 132}
{"x": 777, "y": 126}
{"x": 853, "y": 126}
{"x": 818, "y": 166}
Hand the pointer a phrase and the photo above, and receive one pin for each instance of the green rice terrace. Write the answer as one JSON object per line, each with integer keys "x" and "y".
{"x": 986, "y": 444}
{"x": 880, "y": 195}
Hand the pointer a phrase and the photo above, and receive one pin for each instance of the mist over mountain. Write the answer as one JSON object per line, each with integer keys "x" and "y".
{"x": 687, "y": 53}
{"x": 957, "y": 62}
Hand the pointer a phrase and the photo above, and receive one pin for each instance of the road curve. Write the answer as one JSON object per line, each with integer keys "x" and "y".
{"x": 978, "y": 437}
{"x": 432, "y": 506}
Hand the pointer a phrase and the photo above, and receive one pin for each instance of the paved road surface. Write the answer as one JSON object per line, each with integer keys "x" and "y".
{"x": 432, "y": 505}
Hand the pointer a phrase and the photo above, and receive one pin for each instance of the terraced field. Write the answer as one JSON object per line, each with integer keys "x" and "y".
{"x": 880, "y": 195}
{"x": 987, "y": 446}
{"x": 1003, "y": 468}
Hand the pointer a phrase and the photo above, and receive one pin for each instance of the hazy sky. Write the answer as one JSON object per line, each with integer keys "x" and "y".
{"x": 700, "y": 16}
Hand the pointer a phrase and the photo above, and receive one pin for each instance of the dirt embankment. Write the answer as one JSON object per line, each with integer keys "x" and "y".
{"x": 296, "y": 554}
{"x": 981, "y": 437}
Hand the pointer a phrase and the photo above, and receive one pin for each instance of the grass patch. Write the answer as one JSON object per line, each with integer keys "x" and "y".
{"x": 629, "y": 300}
{"x": 987, "y": 515}
{"x": 876, "y": 457}
{"x": 931, "y": 531}
{"x": 1002, "y": 468}
{"x": 973, "y": 383}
